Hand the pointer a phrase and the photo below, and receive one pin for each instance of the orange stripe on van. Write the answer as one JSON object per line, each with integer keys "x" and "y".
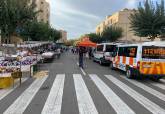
{"x": 131, "y": 61}
{"x": 158, "y": 68}
{"x": 163, "y": 68}
{"x": 124, "y": 60}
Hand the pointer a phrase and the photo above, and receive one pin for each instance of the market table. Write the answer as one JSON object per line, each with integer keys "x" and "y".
{"x": 7, "y": 79}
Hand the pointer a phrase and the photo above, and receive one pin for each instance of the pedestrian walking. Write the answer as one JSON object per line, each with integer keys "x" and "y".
{"x": 90, "y": 52}
{"x": 58, "y": 53}
{"x": 82, "y": 50}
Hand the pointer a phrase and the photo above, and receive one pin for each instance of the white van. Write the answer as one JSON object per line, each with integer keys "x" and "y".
{"x": 103, "y": 52}
{"x": 145, "y": 59}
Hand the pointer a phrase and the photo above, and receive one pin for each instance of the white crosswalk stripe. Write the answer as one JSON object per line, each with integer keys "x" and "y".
{"x": 119, "y": 106}
{"x": 152, "y": 107}
{"x": 159, "y": 85}
{"x": 5, "y": 92}
{"x": 19, "y": 106}
{"x": 54, "y": 100}
{"x": 85, "y": 102}
{"x": 163, "y": 80}
{"x": 146, "y": 88}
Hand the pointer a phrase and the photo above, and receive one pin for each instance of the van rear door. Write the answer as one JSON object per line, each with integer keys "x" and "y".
{"x": 99, "y": 52}
{"x": 108, "y": 52}
{"x": 153, "y": 60}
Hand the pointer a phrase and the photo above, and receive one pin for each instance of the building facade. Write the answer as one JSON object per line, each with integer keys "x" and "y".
{"x": 120, "y": 19}
{"x": 44, "y": 10}
{"x": 63, "y": 38}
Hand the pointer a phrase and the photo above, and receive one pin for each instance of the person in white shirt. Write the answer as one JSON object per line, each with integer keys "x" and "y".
{"x": 58, "y": 53}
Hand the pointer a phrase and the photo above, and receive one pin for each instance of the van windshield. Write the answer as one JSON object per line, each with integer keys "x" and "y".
{"x": 100, "y": 48}
{"x": 110, "y": 48}
{"x": 153, "y": 52}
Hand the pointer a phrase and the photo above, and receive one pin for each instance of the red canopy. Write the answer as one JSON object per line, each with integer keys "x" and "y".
{"x": 86, "y": 43}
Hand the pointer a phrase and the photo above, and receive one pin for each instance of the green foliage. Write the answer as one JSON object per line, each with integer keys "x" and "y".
{"x": 14, "y": 13}
{"x": 18, "y": 17}
{"x": 71, "y": 42}
{"x": 54, "y": 34}
{"x": 39, "y": 31}
{"x": 148, "y": 20}
{"x": 94, "y": 37}
{"x": 111, "y": 34}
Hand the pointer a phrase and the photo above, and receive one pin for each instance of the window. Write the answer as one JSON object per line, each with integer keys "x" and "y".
{"x": 110, "y": 48}
{"x": 128, "y": 51}
{"x": 100, "y": 48}
{"x": 121, "y": 51}
{"x": 153, "y": 52}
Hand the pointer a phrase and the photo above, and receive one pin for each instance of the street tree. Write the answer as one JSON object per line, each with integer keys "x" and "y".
{"x": 111, "y": 34}
{"x": 14, "y": 13}
{"x": 94, "y": 37}
{"x": 54, "y": 35}
{"x": 70, "y": 42}
{"x": 148, "y": 20}
{"x": 39, "y": 31}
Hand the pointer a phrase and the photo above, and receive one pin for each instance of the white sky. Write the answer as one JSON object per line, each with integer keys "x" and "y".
{"x": 79, "y": 17}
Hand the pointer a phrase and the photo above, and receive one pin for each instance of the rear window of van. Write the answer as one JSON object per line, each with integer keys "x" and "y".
{"x": 110, "y": 48}
{"x": 100, "y": 47}
{"x": 128, "y": 51}
{"x": 153, "y": 52}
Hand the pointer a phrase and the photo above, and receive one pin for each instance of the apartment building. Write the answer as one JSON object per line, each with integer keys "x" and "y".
{"x": 44, "y": 8}
{"x": 63, "y": 38}
{"x": 120, "y": 19}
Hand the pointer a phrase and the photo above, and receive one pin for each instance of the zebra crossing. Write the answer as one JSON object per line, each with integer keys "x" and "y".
{"x": 54, "y": 101}
{"x": 85, "y": 101}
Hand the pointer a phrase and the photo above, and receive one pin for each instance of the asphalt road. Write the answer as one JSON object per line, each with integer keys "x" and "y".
{"x": 94, "y": 90}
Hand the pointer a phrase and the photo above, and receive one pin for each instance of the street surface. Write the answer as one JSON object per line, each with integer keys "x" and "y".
{"x": 94, "y": 90}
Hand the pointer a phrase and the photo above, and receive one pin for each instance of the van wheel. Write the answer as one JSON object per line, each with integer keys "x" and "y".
{"x": 129, "y": 74}
{"x": 111, "y": 66}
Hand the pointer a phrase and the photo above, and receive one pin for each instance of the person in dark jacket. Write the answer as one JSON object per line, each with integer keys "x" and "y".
{"x": 90, "y": 53}
{"x": 82, "y": 50}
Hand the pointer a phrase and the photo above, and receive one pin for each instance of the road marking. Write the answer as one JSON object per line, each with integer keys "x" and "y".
{"x": 146, "y": 88}
{"x": 84, "y": 73}
{"x": 85, "y": 102}
{"x": 159, "y": 85}
{"x": 152, "y": 107}
{"x": 21, "y": 103}
{"x": 54, "y": 100}
{"x": 119, "y": 106}
{"x": 5, "y": 92}
{"x": 163, "y": 80}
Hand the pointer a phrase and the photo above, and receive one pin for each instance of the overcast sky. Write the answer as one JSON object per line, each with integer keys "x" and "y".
{"x": 78, "y": 17}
